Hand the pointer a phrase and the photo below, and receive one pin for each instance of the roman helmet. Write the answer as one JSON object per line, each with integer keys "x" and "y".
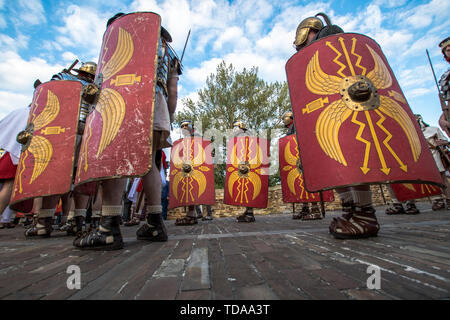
{"x": 444, "y": 43}
{"x": 287, "y": 118}
{"x": 87, "y": 67}
{"x": 303, "y": 29}
{"x": 240, "y": 124}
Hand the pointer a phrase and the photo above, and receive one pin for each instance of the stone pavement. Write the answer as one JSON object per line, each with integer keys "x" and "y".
{"x": 274, "y": 258}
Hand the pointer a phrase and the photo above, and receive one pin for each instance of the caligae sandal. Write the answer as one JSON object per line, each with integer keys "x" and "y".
{"x": 186, "y": 221}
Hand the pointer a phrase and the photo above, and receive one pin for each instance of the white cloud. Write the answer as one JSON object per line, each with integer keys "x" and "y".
{"x": 20, "y": 42}
{"x": 69, "y": 56}
{"x": 83, "y": 28}
{"x": 29, "y": 12}
{"x": 10, "y": 101}
{"x": 390, "y": 3}
{"x": 2, "y": 22}
{"x": 425, "y": 15}
{"x": 234, "y": 37}
{"x": 197, "y": 76}
{"x": 28, "y": 71}
{"x": 417, "y": 92}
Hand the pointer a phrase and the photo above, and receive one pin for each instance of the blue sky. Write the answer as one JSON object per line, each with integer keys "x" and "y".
{"x": 39, "y": 38}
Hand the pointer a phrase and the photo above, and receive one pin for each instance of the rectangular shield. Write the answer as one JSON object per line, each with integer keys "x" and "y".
{"x": 49, "y": 141}
{"x": 191, "y": 173}
{"x": 354, "y": 125}
{"x": 292, "y": 182}
{"x": 247, "y": 178}
{"x": 410, "y": 191}
{"x": 117, "y": 140}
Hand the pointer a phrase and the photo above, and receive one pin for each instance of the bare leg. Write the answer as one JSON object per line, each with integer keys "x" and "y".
{"x": 5, "y": 194}
{"x": 154, "y": 229}
{"x": 43, "y": 226}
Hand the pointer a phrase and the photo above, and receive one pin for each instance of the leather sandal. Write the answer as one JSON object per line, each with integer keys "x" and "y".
{"x": 438, "y": 205}
{"x": 133, "y": 222}
{"x": 361, "y": 223}
{"x": 106, "y": 237}
{"x": 411, "y": 208}
{"x": 42, "y": 228}
{"x": 207, "y": 217}
{"x": 397, "y": 208}
{"x": 245, "y": 218}
{"x": 315, "y": 214}
{"x": 186, "y": 221}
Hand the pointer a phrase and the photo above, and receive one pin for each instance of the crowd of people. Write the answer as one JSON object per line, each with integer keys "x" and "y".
{"x": 94, "y": 218}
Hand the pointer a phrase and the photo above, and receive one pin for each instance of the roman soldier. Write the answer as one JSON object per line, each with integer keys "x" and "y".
{"x": 44, "y": 142}
{"x": 306, "y": 213}
{"x": 344, "y": 96}
{"x": 139, "y": 96}
{"x": 9, "y": 158}
{"x": 189, "y": 167}
{"x": 246, "y": 178}
{"x": 444, "y": 83}
{"x": 439, "y": 147}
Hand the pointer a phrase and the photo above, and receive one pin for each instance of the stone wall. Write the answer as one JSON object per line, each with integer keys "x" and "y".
{"x": 276, "y": 204}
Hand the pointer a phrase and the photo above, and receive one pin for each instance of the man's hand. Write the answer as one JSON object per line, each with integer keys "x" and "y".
{"x": 444, "y": 124}
{"x": 90, "y": 89}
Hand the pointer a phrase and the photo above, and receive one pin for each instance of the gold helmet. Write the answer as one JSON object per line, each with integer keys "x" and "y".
{"x": 304, "y": 27}
{"x": 444, "y": 43}
{"x": 88, "y": 67}
{"x": 287, "y": 117}
{"x": 240, "y": 124}
{"x": 185, "y": 123}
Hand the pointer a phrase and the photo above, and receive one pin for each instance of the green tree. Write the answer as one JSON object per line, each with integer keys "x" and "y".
{"x": 230, "y": 95}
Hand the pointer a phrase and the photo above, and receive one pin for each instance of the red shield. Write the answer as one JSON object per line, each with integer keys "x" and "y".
{"x": 191, "y": 173}
{"x": 292, "y": 185}
{"x": 46, "y": 162}
{"x": 247, "y": 179}
{"x": 409, "y": 191}
{"x": 118, "y": 135}
{"x": 352, "y": 119}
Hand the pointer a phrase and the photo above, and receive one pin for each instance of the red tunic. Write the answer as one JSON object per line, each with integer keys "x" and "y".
{"x": 7, "y": 168}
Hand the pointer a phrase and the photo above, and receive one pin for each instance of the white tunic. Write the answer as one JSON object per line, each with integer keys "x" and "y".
{"x": 432, "y": 134}
{"x": 10, "y": 126}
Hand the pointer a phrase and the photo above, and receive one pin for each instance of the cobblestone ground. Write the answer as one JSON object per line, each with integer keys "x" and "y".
{"x": 274, "y": 258}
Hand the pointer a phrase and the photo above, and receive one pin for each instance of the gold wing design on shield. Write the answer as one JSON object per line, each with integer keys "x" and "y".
{"x": 175, "y": 154}
{"x": 201, "y": 180}
{"x": 42, "y": 151}
{"x": 111, "y": 107}
{"x": 256, "y": 181}
{"x": 409, "y": 186}
{"x": 256, "y": 161}
{"x": 49, "y": 113}
{"x": 199, "y": 159}
{"x": 380, "y": 76}
{"x": 327, "y": 129}
{"x": 319, "y": 82}
{"x": 40, "y": 147}
{"x": 121, "y": 56}
{"x": 396, "y": 112}
{"x": 293, "y": 173}
{"x": 234, "y": 158}
{"x": 288, "y": 156}
{"x": 233, "y": 178}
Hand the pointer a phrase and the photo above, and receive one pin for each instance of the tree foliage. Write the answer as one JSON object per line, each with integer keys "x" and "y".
{"x": 229, "y": 96}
